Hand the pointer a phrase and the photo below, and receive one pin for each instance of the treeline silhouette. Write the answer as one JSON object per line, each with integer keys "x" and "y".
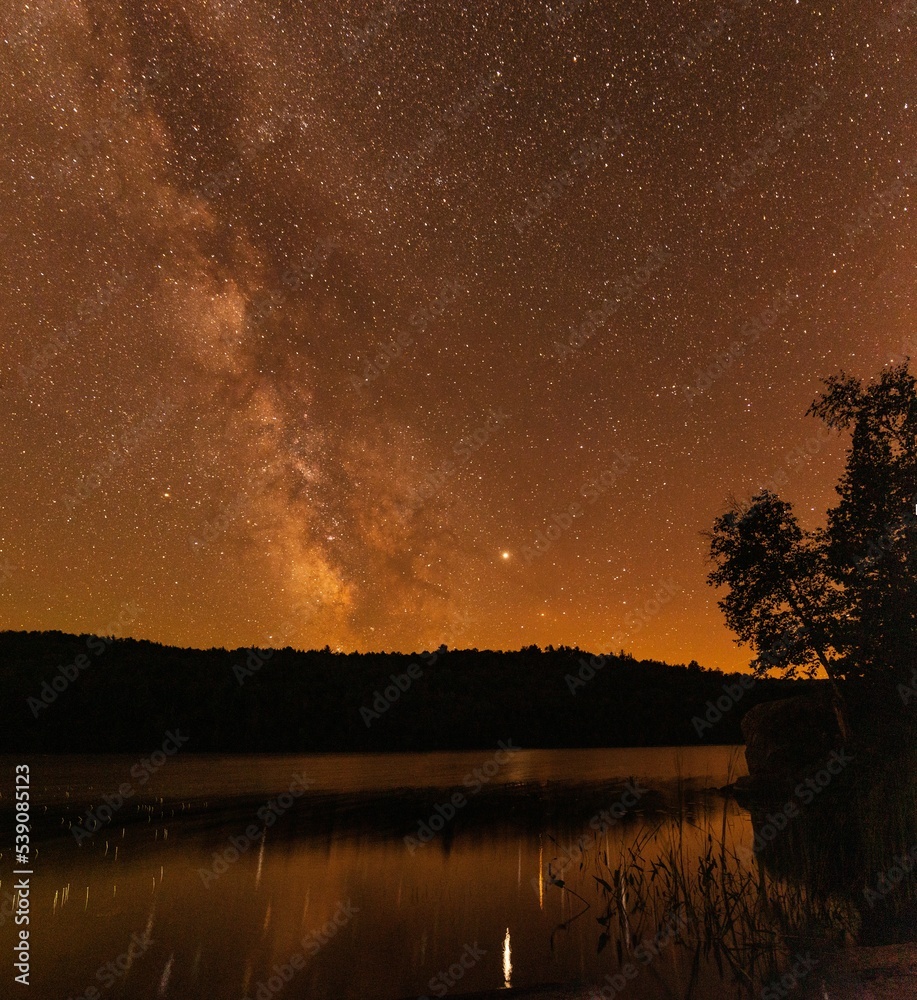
{"x": 80, "y": 693}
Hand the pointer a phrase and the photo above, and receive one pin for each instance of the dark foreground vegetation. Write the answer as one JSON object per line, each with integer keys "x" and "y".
{"x": 125, "y": 694}
{"x": 833, "y": 795}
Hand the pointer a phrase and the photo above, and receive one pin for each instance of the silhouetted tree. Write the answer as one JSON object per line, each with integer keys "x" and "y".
{"x": 872, "y": 533}
{"x": 128, "y": 693}
{"x": 843, "y": 598}
{"x": 781, "y": 600}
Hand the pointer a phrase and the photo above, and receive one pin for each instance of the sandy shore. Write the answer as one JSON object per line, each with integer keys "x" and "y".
{"x": 546, "y": 992}
{"x": 884, "y": 973}
{"x": 888, "y": 972}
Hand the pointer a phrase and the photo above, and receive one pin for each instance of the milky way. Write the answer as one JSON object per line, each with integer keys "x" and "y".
{"x": 380, "y": 326}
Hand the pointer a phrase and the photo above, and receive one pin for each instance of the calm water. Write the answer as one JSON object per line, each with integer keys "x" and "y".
{"x": 347, "y": 910}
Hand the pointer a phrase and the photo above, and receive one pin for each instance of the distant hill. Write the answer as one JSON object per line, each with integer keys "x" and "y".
{"x": 82, "y": 693}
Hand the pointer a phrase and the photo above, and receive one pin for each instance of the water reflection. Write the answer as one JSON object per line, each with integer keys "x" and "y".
{"x": 346, "y": 911}
{"x": 507, "y": 962}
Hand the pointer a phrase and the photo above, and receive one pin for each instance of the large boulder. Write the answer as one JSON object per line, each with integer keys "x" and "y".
{"x": 788, "y": 737}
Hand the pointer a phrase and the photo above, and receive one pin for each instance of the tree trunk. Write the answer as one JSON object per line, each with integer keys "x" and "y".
{"x": 801, "y": 606}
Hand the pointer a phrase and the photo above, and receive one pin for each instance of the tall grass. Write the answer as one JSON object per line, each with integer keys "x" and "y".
{"x": 742, "y": 915}
{"x": 733, "y": 912}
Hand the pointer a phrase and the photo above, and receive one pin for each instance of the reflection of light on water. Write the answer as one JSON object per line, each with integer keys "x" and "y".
{"x": 166, "y": 972}
{"x": 541, "y": 875}
{"x": 507, "y": 963}
{"x": 260, "y": 864}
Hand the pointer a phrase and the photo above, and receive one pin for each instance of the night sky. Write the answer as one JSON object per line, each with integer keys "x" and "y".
{"x": 318, "y": 317}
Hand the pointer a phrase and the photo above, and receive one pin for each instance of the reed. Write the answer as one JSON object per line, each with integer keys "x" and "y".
{"x": 743, "y": 913}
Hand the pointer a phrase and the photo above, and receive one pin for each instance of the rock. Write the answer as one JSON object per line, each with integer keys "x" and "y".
{"x": 787, "y": 737}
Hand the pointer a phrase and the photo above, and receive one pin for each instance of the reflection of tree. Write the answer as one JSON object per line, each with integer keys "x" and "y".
{"x": 689, "y": 904}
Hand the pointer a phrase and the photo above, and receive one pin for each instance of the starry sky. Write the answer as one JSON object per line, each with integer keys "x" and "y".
{"x": 390, "y": 324}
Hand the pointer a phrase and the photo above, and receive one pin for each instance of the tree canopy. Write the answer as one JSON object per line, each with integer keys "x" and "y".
{"x": 842, "y": 598}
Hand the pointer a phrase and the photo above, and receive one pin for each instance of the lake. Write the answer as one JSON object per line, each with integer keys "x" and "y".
{"x": 351, "y": 876}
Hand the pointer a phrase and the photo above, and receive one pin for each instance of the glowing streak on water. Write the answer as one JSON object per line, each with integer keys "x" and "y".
{"x": 260, "y": 863}
{"x": 507, "y": 962}
{"x": 166, "y": 972}
{"x": 541, "y": 875}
